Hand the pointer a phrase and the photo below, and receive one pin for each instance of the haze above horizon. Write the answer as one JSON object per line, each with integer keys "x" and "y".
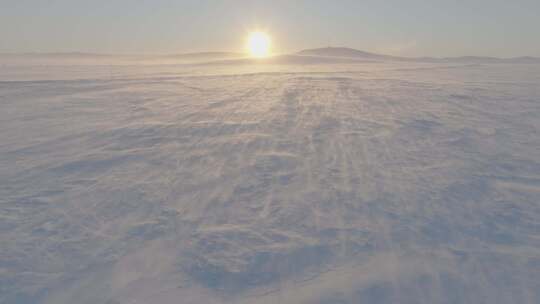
{"x": 414, "y": 29}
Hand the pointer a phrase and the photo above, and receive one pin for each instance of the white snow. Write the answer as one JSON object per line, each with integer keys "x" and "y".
{"x": 371, "y": 182}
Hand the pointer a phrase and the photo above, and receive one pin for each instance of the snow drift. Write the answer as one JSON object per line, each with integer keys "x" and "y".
{"x": 336, "y": 183}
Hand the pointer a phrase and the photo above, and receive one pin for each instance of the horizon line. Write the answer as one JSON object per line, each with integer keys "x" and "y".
{"x": 208, "y": 52}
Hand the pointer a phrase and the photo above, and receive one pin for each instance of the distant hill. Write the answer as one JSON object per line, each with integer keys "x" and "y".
{"x": 294, "y": 59}
{"x": 344, "y": 52}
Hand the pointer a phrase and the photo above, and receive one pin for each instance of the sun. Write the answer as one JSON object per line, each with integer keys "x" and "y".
{"x": 259, "y": 44}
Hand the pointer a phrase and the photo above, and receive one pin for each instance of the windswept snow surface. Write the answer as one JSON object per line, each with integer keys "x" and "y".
{"x": 355, "y": 183}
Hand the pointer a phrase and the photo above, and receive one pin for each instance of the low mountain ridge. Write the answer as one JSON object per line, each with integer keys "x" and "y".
{"x": 327, "y": 55}
{"x": 344, "y": 52}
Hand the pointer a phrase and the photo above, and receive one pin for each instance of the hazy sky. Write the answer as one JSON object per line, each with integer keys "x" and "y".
{"x": 412, "y": 27}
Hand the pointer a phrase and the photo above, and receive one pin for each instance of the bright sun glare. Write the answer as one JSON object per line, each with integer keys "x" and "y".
{"x": 258, "y": 44}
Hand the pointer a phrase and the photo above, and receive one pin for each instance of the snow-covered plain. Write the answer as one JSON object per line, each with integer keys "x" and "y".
{"x": 372, "y": 182}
